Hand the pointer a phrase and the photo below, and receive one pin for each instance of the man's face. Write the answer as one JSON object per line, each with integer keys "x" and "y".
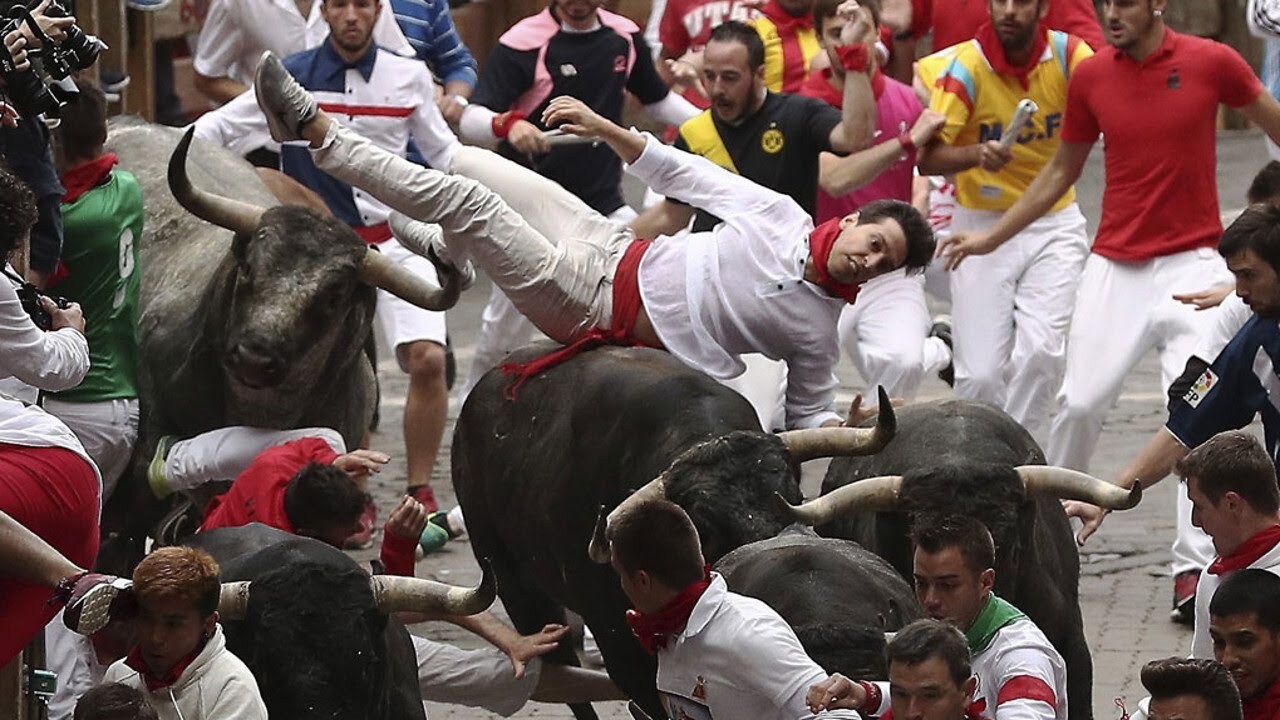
{"x": 862, "y": 252}
{"x": 1129, "y": 21}
{"x": 351, "y": 23}
{"x": 578, "y": 12}
{"x": 830, "y": 38}
{"x": 731, "y": 84}
{"x": 926, "y": 691}
{"x": 1249, "y": 651}
{"x": 1015, "y": 22}
{"x": 1180, "y": 707}
{"x": 1216, "y": 519}
{"x": 948, "y": 589}
{"x": 1257, "y": 283}
{"x": 170, "y": 629}
{"x": 334, "y": 534}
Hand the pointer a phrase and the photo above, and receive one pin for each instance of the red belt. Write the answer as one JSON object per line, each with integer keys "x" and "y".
{"x": 374, "y": 234}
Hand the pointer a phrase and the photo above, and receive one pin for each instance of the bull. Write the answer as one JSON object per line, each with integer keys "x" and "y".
{"x": 531, "y": 474}
{"x": 249, "y": 314}
{"x": 969, "y": 458}
{"x": 317, "y": 631}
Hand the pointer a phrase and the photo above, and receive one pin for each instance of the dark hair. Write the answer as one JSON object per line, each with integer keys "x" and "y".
{"x": 920, "y": 241}
{"x": 1266, "y": 184}
{"x": 189, "y": 575}
{"x": 1233, "y": 461}
{"x": 1252, "y": 590}
{"x": 113, "y": 701}
{"x": 1257, "y": 229}
{"x": 320, "y": 495}
{"x": 740, "y": 32}
{"x": 927, "y": 638}
{"x": 1175, "y": 677}
{"x": 17, "y": 211}
{"x": 658, "y": 537}
{"x": 823, "y": 9}
{"x": 934, "y": 532}
{"x": 84, "y": 123}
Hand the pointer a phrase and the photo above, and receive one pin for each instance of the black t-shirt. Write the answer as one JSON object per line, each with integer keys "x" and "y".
{"x": 776, "y": 147}
{"x": 589, "y": 66}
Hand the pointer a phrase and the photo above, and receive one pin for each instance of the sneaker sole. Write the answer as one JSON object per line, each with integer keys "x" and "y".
{"x": 95, "y": 609}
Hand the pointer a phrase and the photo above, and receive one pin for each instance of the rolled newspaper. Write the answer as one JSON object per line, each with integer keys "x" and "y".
{"x": 559, "y": 137}
{"x": 1021, "y": 116}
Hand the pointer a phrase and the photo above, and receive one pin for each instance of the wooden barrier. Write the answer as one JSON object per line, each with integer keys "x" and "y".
{"x": 130, "y": 38}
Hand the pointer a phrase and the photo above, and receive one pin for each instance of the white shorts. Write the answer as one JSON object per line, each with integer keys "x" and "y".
{"x": 403, "y": 322}
{"x": 108, "y": 430}
{"x": 474, "y": 678}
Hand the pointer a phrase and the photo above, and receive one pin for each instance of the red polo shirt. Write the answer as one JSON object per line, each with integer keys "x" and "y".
{"x": 257, "y": 495}
{"x": 1158, "y": 117}
{"x": 954, "y": 21}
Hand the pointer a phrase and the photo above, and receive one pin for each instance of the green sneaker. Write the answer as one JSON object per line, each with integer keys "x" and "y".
{"x": 155, "y": 471}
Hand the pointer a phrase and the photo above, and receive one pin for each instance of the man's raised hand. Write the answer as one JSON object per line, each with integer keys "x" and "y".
{"x": 961, "y": 245}
{"x": 571, "y": 115}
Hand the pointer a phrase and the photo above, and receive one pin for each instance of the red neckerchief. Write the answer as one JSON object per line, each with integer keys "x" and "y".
{"x": 786, "y": 23}
{"x": 135, "y": 661}
{"x": 83, "y": 178}
{"x": 821, "y": 240}
{"x": 994, "y": 52}
{"x": 653, "y": 630}
{"x": 1265, "y": 706}
{"x": 1248, "y": 553}
{"x": 819, "y": 84}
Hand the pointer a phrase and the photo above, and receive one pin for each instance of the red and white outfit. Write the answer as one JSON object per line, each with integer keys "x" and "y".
{"x": 1158, "y": 236}
{"x": 886, "y": 332}
{"x": 1262, "y": 551}
{"x": 686, "y": 26}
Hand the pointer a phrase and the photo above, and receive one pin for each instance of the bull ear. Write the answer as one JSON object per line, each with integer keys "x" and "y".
{"x": 238, "y": 217}
{"x": 822, "y": 442}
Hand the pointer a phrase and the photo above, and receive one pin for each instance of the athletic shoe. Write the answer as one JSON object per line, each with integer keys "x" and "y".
{"x": 942, "y": 330}
{"x": 457, "y": 524}
{"x": 283, "y": 101}
{"x": 427, "y": 240}
{"x": 434, "y": 535}
{"x": 424, "y": 495}
{"x": 363, "y": 538}
{"x": 1184, "y": 597}
{"x": 181, "y": 522}
{"x": 155, "y": 470}
{"x": 92, "y": 600}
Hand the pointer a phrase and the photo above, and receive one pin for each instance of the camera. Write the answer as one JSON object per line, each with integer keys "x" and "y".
{"x": 29, "y": 297}
{"x": 46, "y": 86}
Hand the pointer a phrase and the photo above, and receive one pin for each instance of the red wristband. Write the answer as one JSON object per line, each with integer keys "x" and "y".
{"x": 874, "y": 697}
{"x": 501, "y": 124}
{"x": 904, "y": 139}
{"x": 855, "y": 58}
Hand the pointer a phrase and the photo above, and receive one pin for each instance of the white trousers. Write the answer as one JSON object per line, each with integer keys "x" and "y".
{"x": 473, "y": 678}
{"x": 1010, "y": 311}
{"x": 1123, "y": 311}
{"x": 499, "y": 214}
{"x": 108, "y": 431}
{"x": 72, "y": 658}
{"x": 401, "y": 321}
{"x": 886, "y": 334}
{"x": 222, "y": 454}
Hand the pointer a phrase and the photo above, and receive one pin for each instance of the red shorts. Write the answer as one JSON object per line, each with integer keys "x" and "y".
{"x": 52, "y": 492}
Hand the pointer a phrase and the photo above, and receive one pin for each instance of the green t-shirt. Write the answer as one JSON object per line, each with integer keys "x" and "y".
{"x": 102, "y": 230}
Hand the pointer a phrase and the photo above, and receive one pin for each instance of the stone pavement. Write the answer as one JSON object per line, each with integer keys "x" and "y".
{"x": 1125, "y": 590}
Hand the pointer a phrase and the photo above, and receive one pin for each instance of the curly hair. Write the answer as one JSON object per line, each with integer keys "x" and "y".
{"x": 17, "y": 211}
{"x": 182, "y": 573}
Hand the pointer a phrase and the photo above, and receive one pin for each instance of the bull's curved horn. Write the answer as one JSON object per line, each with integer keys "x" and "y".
{"x": 393, "y": 593}
{"x": 598, "y": 549}
{"x": 835, "y": 441}
{"x": 234, "y": 215}
{"x": 869, "y": 495}
{"x": 380, "y": 271}
{"x": 233, "y": 603}
{"x": 1067, "y": 484}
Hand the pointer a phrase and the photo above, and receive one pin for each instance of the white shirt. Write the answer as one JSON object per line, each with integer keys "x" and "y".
{"x": 740, "y": 287}
{"x": 215, "y": 686}
{"x": 237, "y": 32}
{"x": 1230, "y": 315}
{"x": 50, "y": 361}
{"x": 736, "y": 658}
{"x": 1201, "y": 642}
{"x": 1021, "y": 676}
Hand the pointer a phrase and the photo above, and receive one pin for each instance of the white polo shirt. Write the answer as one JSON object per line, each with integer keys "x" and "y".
{"x": 237, "y": 32}
{"x": 736, "y": 658}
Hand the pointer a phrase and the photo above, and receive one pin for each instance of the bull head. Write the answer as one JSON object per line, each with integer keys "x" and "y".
{"x": 243, "y": 219}
{"x": 391, "y": 593}
{"x": 881, "y": 493}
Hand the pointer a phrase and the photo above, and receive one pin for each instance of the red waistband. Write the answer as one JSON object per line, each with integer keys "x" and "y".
{"x": 374, "y": 233}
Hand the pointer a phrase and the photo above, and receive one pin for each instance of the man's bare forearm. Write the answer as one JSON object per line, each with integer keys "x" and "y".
{"x": 939, "y": 158}
{"x": 1154, "y": 461}
{"x": 221, "y": 90}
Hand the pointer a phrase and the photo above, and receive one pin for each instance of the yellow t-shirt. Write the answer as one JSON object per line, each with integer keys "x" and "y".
{"x": 978, "y": 102}
{"x": 786, "y": 57}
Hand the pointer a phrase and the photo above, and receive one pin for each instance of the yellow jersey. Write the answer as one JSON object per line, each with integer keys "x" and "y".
{"x": 788, "y": 53}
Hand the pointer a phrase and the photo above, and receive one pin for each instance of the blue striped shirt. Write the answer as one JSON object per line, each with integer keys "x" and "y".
{"x": 430, "y": 30}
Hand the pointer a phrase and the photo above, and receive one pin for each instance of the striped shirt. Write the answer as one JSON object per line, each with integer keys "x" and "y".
{"x": 429, "y": 28}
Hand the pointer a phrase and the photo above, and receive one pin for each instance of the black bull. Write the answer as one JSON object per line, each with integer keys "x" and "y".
{"x": 532, "y": 473}
{"x": 969, "y": 469}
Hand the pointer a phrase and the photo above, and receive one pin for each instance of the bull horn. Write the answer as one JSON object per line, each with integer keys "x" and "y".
{"x": 380, "y": 271}
{"x": 1067, "y": 484}
{"x": 233, "y": 602}
{"x": 598, "y": 549}
{"x": 812, "y": 443}
{"x": 239, "y": 217}
{"x": 394, "y": 593}
{"x": 870, "y": 495}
